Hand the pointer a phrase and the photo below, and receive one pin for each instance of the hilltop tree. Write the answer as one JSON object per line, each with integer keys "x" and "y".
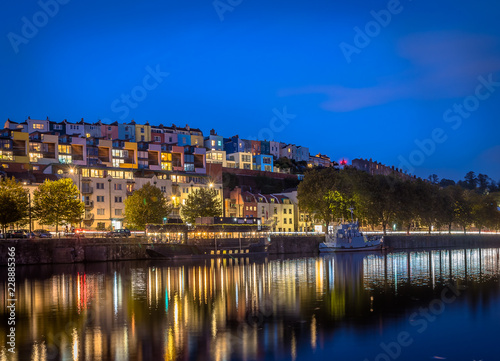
{"x": 313, "y": 191}
{"x": 146, "y": 205}
{"x": 57, "y": 202}
{"x": 14, "y": 205}
{"x": 203, "y": 202}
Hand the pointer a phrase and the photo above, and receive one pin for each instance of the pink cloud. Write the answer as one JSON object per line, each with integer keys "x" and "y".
{"x": 442, "y": 65}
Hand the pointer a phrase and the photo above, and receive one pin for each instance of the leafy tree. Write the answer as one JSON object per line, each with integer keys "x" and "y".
{"x": 428, "y": 203}
{"x": 463, "y": 208}
{"x": 312, "y": 193}
{"x": 446, "y": 182}
{"x": 483, "y": 182}
{"x": 57, "y": 202}
{"x": 14, "y": 205}
{"x": 470, "y": 181}
{"x": 146, "y": 205}
{"x": 484, "y": 210}
{"x": 433, "y": 178}
{"x": 203, "y": 202}
{"x": 445, "y": 207}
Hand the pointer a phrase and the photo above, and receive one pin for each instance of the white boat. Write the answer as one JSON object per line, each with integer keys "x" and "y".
{"x": 346, "y": 237}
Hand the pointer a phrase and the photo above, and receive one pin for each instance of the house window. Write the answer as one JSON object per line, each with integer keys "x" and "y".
{"x": 284, "y": 220}
{"x": 118, "y": 187}
{"x": 118, "y": 199}
{"x": 290, "y": 220}
{"x": 100, "y": 198}
{"x": 38, "y": 126}
{"x": 142, "y": 130}
{"x": 163, "y": 189}
{"x": 99, "y": 185}
{"x": 118, "y": 212}
{"x": 100, "y": 211}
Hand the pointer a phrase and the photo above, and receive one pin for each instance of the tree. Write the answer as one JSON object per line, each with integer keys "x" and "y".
{"x": 446, "y": 182}
{"x": 14, "y": 205}
{"x": 312, "y": 193}
{"x": 470, "y": 181}
{"x": 483, "y": 182}
{"x": 57, "y": 202}
{"x": 203, "y": 202}
{"x": 146, "y": 205}
{"x": 433, "y": 178}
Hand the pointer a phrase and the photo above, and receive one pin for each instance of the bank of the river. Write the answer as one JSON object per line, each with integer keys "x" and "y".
{"x": 73, "y": 250}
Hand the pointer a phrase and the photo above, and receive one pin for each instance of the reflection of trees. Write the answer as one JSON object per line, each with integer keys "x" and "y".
{"x": 231, "y": 308}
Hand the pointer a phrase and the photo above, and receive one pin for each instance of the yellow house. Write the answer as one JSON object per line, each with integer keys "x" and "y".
{"x": 143, "y": 132}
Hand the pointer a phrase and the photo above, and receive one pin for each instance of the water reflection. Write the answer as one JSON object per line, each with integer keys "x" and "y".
{"x": 232, "y": 308}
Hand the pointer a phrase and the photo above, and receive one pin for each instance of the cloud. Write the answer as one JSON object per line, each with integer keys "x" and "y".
{"x": 490, "y": 156}
{"x": 441, "y": 65}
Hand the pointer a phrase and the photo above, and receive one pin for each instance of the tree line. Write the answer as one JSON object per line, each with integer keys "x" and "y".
{"x": 383, "y": 201}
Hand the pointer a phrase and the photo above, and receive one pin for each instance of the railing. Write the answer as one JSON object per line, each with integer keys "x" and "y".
{"x": 89, "y": 205}
{"x": 87, "y": 190}
{"x": 89, "y": 217}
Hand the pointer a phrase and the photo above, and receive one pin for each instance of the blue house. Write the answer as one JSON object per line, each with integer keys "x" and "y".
{"x": 263, "y": 162}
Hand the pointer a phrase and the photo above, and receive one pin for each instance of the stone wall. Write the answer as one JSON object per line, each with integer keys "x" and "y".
{"x": 72, "y": 250}
{"x": 442, "y": 241}
{"x": 295, "y": 245}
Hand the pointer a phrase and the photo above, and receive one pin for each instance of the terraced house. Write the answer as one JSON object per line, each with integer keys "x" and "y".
{"x": 109, "y": 161}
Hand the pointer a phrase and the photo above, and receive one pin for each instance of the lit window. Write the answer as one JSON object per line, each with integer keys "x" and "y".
{"x": 38, "y": 126}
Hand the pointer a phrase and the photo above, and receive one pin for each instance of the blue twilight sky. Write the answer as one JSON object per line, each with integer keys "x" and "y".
{"x": 366, "y": 79}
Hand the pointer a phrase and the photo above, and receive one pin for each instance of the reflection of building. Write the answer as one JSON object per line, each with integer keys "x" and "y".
{"x": 231, "y": 308}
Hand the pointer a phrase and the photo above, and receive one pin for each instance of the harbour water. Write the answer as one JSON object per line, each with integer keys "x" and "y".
{"x": 412, "y": 305}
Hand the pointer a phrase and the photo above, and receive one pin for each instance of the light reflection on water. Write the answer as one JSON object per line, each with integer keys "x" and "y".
{"x": 247, "y": 309}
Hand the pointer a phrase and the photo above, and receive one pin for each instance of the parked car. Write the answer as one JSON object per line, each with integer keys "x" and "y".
{"x": 119, "y": 233}
{"x": 18, "y": 233}
{"x": 42, "y": 233}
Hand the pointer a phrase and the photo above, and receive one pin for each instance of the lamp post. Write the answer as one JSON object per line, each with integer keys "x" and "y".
{"x": 110, "y": 220}
{"x": 29, "y": 208}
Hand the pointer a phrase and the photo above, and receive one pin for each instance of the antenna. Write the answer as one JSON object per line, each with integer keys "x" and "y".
{"x": 351, "y": 209}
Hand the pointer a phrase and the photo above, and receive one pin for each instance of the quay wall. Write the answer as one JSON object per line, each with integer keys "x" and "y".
{"x": 74, "y": 250}
{"x": 442, "y": 241}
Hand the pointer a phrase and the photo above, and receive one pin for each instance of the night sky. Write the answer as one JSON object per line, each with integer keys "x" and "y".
{"x": 367, "y": 79}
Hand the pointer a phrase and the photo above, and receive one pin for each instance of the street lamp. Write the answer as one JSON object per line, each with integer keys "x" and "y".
{"x": 110, "y": 220}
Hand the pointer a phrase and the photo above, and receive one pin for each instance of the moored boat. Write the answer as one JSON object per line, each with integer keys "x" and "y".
{"x": 347, "y": 238}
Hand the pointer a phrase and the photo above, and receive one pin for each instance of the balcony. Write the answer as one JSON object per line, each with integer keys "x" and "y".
{"x": 88, "y": 217}
{"x": 87, "y": 189}
{"x": 89, "y": 205}
{"x": 88, "y": 220}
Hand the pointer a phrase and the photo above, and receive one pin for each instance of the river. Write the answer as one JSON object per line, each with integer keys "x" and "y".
{"x": 412, "y": 305}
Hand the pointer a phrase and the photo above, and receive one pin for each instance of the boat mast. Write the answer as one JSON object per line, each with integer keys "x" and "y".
{"x": 351, "y": 209}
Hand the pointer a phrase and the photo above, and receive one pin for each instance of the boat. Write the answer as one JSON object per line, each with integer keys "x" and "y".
{"x": 346, "y": 237}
